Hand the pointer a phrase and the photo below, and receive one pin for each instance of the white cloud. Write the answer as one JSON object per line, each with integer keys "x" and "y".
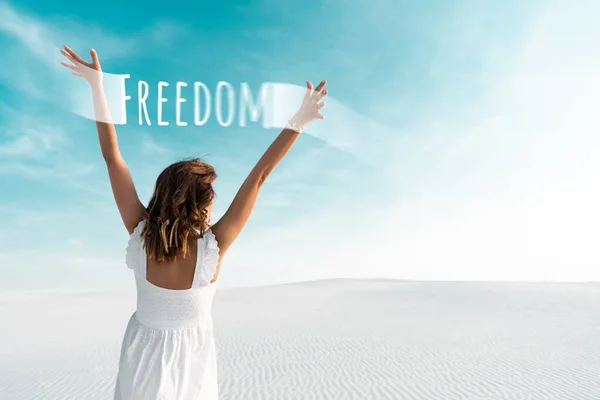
{"x": 512, "y": 192}
{"x": 63, "y": 172}
{"x": 77, "y": 269}
{"x": 43, "y": 37}
{"x": 37, "y": 73}
{"x": 32, "y": 142}
{"x": 34, "y": 147}
{"x": 508, "y": 191}
{"x": 149, "y": 145}
{"x": 32, "y": 34}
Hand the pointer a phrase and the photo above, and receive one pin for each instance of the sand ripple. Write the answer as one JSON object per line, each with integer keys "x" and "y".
{"x": 337, "y": 339}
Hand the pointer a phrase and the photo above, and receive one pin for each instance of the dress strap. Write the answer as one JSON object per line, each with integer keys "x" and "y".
{"x": 143, "y": 260}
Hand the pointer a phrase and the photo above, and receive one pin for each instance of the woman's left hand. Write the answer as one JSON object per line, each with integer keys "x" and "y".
{"x": 311, "y": 105}
{"x": 91, "y": 72}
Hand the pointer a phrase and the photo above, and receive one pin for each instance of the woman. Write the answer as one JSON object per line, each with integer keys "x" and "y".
{"x": 168, "y": 350}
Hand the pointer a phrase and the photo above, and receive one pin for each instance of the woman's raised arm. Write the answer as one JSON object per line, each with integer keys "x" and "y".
{"x": 230, "y": 225}
{"x": 130, "y": 207}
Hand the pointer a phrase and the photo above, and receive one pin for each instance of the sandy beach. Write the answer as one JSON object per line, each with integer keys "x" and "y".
{"x": 331, "y": 339}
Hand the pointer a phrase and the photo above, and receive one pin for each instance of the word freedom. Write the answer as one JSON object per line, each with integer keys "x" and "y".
{"x": 202, "y": 98}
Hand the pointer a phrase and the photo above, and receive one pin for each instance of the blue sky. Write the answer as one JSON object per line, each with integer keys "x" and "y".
{"x": 477, "y": 154}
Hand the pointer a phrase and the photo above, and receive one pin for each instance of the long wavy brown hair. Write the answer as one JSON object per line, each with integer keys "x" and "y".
{"x": 178, "y": 209}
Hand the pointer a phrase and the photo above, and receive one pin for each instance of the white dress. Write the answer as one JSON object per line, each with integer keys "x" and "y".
{"x": 168, "y": 351}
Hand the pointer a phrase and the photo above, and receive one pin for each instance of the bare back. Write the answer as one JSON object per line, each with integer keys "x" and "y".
{"x": 178, "y": 274}
{"x": 175, "y": 275}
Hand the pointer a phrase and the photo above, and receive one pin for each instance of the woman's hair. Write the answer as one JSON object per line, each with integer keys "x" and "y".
{"x": 178, "y": 209}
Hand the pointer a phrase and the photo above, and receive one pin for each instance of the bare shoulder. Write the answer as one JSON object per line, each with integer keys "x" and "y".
{"x": 132, "y": 223}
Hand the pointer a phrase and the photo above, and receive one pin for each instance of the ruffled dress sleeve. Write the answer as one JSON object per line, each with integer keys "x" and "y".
{"x": 134, "y": 247}
{"x": 210, "y": 259}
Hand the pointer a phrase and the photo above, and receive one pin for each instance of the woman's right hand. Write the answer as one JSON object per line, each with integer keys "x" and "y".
{"x": 91, "y": 72}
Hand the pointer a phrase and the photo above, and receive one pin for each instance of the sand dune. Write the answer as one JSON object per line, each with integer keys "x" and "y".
{"x": 334, "y": 339}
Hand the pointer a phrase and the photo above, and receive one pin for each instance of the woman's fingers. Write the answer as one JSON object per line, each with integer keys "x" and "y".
{"x": 76, "y": 74}
{"x": 321, "y": 95}
{"x": 309, "y": 89}
{"x": 95, "y": 61}
{"x": 70, "y": 66}
{"x": 67, "y": 55}
{"x": 321, "y": 86}
{"x": 314, "y": 99}
{"x": 317, "y": 92}
{"x": 75, "y": 56}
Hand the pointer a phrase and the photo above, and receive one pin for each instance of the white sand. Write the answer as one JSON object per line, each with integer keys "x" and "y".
{"x": 335, "y": 339}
